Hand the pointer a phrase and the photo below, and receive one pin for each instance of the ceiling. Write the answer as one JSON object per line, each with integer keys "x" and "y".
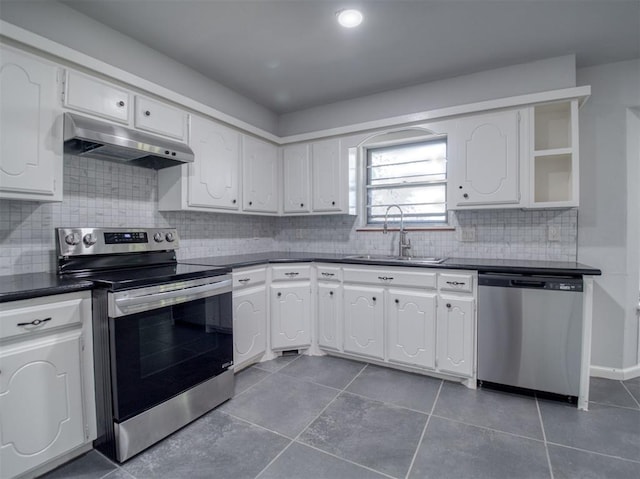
{"x": 289, "y": 55}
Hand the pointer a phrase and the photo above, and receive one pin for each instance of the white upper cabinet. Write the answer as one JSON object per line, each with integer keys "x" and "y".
{"x": 260, "y": 171}
{"x": 296, "y": 175}
{"x": 30, "y": 128}
{"x": 213, "y": 180}
{"x": 95, "y": 97}
{"x": 330, "y": 179}
{"x": 484, "y": 159}
{"x": 156, "y": 117}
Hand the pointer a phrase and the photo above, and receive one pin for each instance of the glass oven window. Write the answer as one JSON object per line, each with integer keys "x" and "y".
{"x": 160, "y": 353}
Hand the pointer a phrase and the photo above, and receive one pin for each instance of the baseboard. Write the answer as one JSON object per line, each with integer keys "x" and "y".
{"x": 615, "y": 373}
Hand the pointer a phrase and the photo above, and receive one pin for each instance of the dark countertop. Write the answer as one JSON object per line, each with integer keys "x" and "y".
{"x": 31, "y": 285}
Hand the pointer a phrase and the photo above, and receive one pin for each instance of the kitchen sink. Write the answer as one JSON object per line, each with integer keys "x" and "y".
{"x": 396, "y": 259}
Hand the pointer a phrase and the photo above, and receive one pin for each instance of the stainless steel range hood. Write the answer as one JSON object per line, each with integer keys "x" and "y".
{"x": 100, "y": 140}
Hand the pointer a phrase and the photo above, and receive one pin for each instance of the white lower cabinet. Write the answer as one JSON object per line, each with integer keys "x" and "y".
{"x": 329, "y": 315}
{"x": 249, "y": 325}
{"x": 47, "y": 404}
{"x": 456, "y": 321}
{"x": 364, "y": 320}
{"x": 290, "y": 306}
{"x": 411, "y": 323}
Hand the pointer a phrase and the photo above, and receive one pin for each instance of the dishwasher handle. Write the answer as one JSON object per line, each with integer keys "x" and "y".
{"x": 527, "y": 283}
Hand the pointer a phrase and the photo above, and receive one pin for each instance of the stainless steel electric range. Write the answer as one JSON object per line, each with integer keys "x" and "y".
{"x": 163, "y": 346}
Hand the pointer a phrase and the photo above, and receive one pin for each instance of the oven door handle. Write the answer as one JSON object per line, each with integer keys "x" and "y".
{"x": 123, "y": 306}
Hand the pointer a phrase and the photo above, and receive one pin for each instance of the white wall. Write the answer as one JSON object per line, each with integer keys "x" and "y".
{"x": 70, "y": 28}
{"x": 543, "y": 75}
{"x": 609, "y": 216}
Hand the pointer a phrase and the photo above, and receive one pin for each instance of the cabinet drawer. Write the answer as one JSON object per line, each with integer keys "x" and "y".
{"x": 291, "y": 272}
{"x": 460, "y": 282}
{"x": 98, "y": 98}
{"x": 391, "y": 277}
{"x": 245, "y": 278}
{"x": 159, "y": 118}
{"x": 20, "y": 318}
{"x": 329, "y": 273}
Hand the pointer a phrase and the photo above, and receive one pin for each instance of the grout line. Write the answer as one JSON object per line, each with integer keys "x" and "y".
{"x": 250, "y": 387}
{"x": 617, "y": 406}
{"x": 256, "y": 425}
{"x": 544, "y": 437}
{"x": 488, "y": 428}
{"x": 595, "y": 452}
{"x": 274, "y": 459}
{"x": 630, "y": 394}
{"x": 424, "y": 430}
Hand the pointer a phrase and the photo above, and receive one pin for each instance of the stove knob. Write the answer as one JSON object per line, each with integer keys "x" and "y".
{"x": 169, "y": 237}
{"x": 72, "y": 239}
{"x": 158, "y": 238}
{"x": 90, "y": 239}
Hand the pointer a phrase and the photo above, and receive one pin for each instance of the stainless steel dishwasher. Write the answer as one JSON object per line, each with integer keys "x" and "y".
{"x": 530, "y": 333}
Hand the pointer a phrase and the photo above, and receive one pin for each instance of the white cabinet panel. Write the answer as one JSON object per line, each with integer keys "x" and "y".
{"x": 41, "y": 400}
{"x": 213, "y": 176}
{"x": 30, "y": 128}
{"x": 364, "y": 320}
{"x": 260, "y": 175}
{"x": 329, "y": 176}
{"x": 249, "y": 324}
{"x": 329, "y": 315}
{"x": 455, "y": 344}
{"x": 90, "y": 95}
{"x": 484, "y": 159}
{"x": 296, "y": 174}
{"x": 290, "y": 315}
{"x": 156, "y": 117}
{"x": 411, "y": 317}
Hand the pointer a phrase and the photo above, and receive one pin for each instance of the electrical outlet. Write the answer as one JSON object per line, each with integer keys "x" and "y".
{"x": 468, "y": 233}
{"x": 553, "y": 233}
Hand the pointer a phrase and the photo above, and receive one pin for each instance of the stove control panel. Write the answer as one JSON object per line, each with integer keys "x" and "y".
{"x": 95, "y": 241}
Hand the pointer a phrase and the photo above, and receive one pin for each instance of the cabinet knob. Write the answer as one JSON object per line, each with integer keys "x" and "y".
{"x": 233, "y": 201}
{"x": 279, "y": 294}
{"x": 301, "y": 205}
{"x": 120, "y": 103}
{"x": 333, "y": 203}
{"x": 449, "y": 305}
{"x": 374, "y": 298}
{"x": 147, "y": 113}
{"x": 250, "y": 203}
{"x": 397, "y": 301}
{"x": 465, "y": 195}
{"x": 330, "y": 293}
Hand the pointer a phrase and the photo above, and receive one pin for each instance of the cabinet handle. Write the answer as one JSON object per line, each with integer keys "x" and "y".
{"x": 328, "y": 274}
{"x": 385, "y": 278}
{"x": 120, "y": 103}
{"x": 292, "y": 275}
{"x": 449, "y": 305}
{"x": 35, "y": 322}
{"x": 147, "y": 113}
{"x": 244, "y": 280}
{"x": 279, "y": 294}
{"x": 455, "y": 283}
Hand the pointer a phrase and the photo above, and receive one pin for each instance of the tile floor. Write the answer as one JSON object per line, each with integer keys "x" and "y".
{"x": 326, "y": 417}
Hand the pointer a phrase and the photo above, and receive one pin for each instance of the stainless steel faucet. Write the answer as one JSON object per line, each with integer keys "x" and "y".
{"x": 404, "y": 243}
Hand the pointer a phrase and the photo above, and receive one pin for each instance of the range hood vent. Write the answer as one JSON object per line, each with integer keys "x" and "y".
{"x": 100, "y": 140}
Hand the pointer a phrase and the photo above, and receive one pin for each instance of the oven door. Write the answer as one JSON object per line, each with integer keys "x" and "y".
{"x": 166, "y": 339}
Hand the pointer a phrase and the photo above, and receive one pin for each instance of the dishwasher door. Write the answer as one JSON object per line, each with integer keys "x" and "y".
{"x": 530, "y": 332}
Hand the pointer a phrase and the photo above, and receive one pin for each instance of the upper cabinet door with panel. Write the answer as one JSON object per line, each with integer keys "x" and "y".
{"x": 89, "y": 95}
{"x": 260, "y": 174}
{"x": 329, "y": 176}
{"x": 160, "y": 118}
{"x": 295, "y": 159}
{"x": 30, "y": 128}
{"x": 485, "y": 161}
{"x": 213, "y": 176}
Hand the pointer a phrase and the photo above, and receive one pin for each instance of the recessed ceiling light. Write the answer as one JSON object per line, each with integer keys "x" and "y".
{"x": 349, "y": 18}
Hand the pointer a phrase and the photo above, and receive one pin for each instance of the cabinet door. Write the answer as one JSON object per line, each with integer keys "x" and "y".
{"x": 40, "y": 400}
{"x": 213, "y": 176}
{"x": 260, "y": 175}
{"x": 290, "y": 315}
{"x": 411, "y": 322}
{"x": 485, "y": 162}
{"x": 330, "y": 316}
{"x": 249, "y": 324}
{"x": 30, "y": 129}
{"x": 90, "y": 95}
{"x": 329, "y": 176}
{"x": 295, "y": 160}
{"x": 363, "y": 314}
{"x": 159, "y": 118}
{"x": 455, "y": 345}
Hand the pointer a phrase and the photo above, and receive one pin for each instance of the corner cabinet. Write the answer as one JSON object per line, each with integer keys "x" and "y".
{"x": 250, "y": 316}
{"x": 290, "y": 300}
{"x": 31, "y": 157}
{"x": 46, "y": 383}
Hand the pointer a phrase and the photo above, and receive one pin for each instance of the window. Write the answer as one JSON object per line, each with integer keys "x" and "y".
{"x": 411, "y": 175}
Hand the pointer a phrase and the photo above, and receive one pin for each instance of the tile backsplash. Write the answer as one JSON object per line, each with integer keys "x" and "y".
{"x": 98, "y": 193}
